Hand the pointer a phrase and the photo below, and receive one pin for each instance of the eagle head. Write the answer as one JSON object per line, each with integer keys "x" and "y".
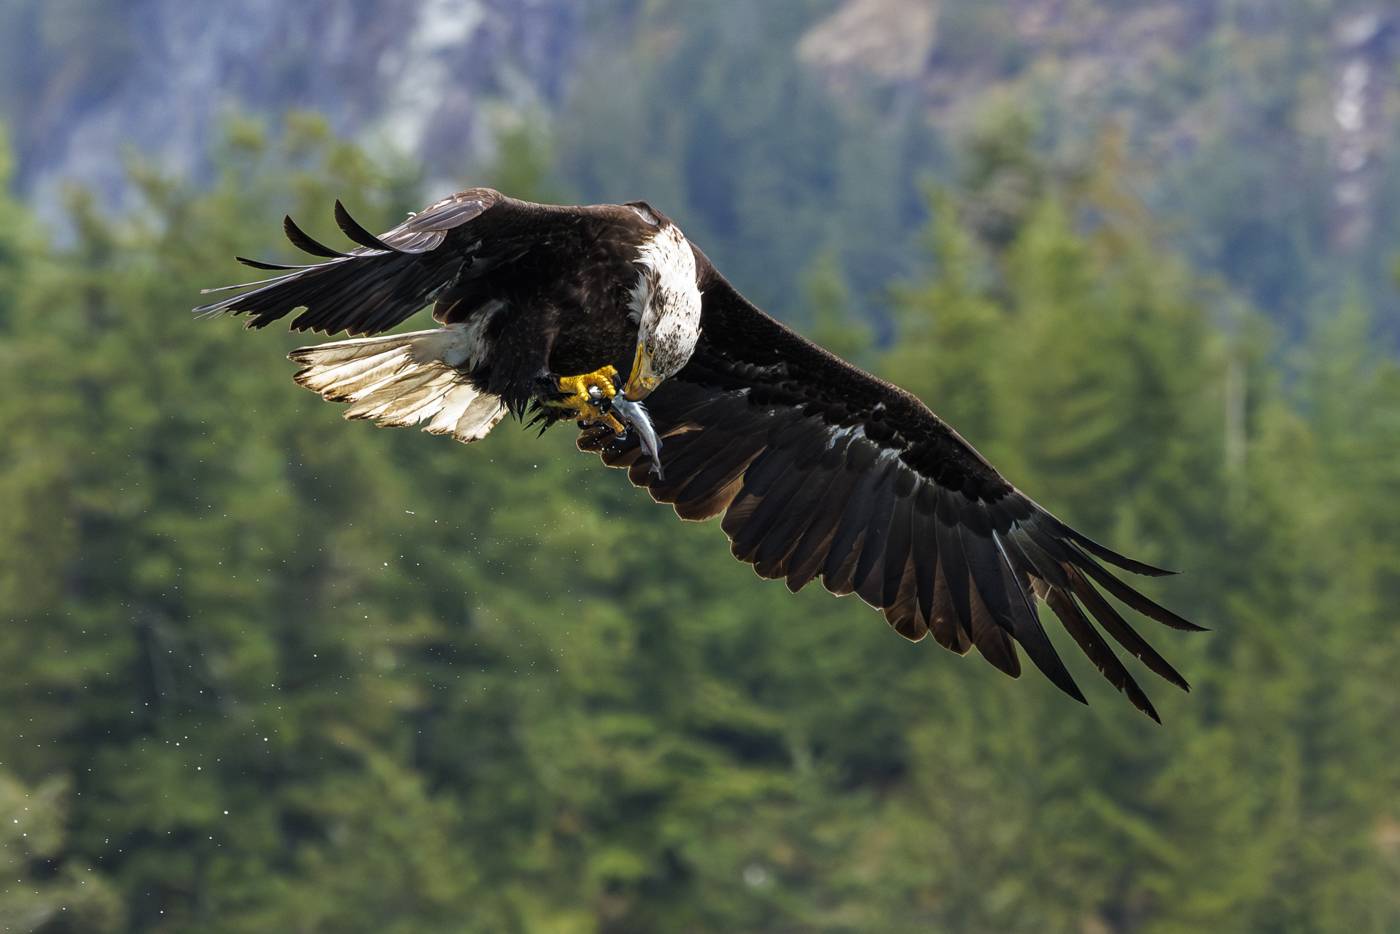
{"x": 667, "y": 300}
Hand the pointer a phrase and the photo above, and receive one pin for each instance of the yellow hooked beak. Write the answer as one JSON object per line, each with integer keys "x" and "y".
{"x": 642, "y": 379}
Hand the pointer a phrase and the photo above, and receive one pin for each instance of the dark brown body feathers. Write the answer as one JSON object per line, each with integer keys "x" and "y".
{"x": 818, "y": 469}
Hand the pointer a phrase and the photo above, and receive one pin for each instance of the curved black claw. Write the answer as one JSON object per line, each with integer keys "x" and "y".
{"x": 545, "y": 388}
{"x": 602, "y": 400}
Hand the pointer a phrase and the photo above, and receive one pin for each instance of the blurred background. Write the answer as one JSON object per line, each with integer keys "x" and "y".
{"x": 263, "y": 670}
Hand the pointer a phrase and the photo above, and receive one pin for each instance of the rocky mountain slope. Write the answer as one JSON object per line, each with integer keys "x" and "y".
{"x": 1177, "y": 75}
{"x": 90, "y": 82}
{"x": 1266, "y": 133}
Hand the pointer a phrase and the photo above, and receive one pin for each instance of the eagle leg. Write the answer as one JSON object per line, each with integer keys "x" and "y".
{"x": 583, "y": 404}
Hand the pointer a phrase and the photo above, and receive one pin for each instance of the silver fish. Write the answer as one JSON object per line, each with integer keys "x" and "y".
{"x": 635, "y": 416}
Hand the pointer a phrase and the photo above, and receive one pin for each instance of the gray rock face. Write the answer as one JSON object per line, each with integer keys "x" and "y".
{"x": 432, "y": 78}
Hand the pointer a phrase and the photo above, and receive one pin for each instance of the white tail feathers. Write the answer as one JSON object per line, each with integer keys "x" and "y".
{"x": 404, "y": 380}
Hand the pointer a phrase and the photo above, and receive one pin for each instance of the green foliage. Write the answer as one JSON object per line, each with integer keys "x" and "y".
{"x": 710, "y": 116}
{"x": 266, "y": 670}
{"x": 1108, "y": 372}
{"x": 1226, "y": 110}
{"x": 44, "y": 890}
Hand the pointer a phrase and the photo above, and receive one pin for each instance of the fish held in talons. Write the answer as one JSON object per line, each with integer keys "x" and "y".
{"x": 635, "y": 417}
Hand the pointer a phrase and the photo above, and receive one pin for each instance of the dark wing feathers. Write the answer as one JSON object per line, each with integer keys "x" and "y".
{"x": 821, "y": 470}
{"x": 817, "y": 468}
{"x": 1112, "y": 557}
{"x": 352, "y": 229}
{"x": 951, "y": 562}
{"x": 259, "y": 264}
{"x": 992, "y": 642}
{"x": 1097, "y": 649}
{"x": 897, "y": 553}
{"x": 380, "y": 282}
{"x": 1117, "y": 627}
{"x": 1142, "y": 604}
{"x": 306, "y": 243}
{"x": 838, "y": 569}
{"x": 924, "y": 561}
{"x": 772, "y": 558}
{"x": 808, "y": 556}
{"x": 948, "y": 629}
{"x": 871, "y": 587}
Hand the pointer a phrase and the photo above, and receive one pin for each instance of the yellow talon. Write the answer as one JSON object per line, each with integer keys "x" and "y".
{"x": 577, "y": 386}
{"x": 580, "y": 400}
{"x": 612, "y": 422}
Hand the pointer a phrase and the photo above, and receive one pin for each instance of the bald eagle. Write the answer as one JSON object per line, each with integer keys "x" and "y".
{"x": 817, "y": 468}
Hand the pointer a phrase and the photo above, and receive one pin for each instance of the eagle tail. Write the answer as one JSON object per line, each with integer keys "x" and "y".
{"x": 403, "y": 380}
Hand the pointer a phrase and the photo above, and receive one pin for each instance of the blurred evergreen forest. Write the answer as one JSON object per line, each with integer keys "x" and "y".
{"x": 264, "y": 670}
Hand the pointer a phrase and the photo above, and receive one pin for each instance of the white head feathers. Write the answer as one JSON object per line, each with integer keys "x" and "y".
{"x": 667, "y": 301}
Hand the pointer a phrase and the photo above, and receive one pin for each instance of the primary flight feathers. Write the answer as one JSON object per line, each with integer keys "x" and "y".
{"x": 818, "y": 469}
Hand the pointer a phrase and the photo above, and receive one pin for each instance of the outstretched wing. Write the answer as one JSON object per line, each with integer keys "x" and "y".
{"x": 377, "y": 284}
{"x": 821, "y": 470}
